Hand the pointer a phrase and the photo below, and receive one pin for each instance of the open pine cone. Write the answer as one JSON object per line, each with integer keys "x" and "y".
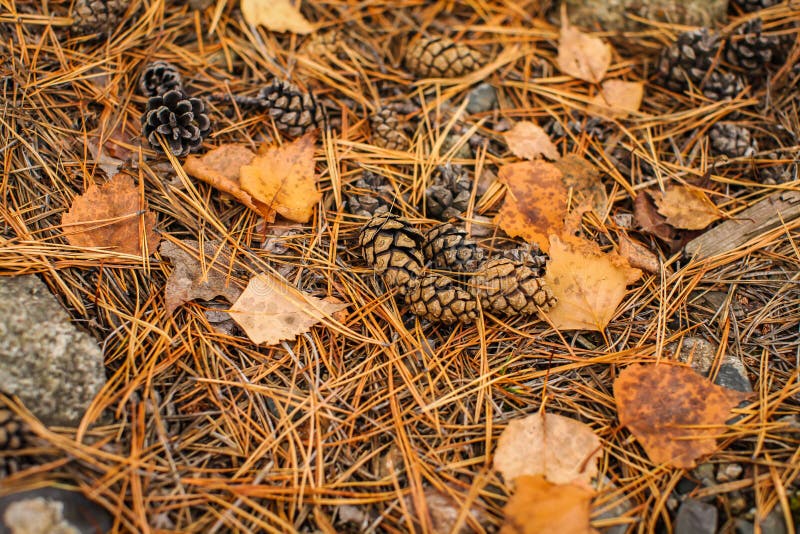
{"x": 440, "y": 57}
{"x": 732, "y": 140}
{"x": 749, "y": 49}
{"x": 392, "y": 247}
{"x": 449, "y": 193}
{"x": 158, "y": 78}
{"x": 13, "y": 432}
{"x": 688, "y": 60}
{"x": 179, "y": 118}
{"x": 447, "y": 247}
{"x": 386, "y": 130}
{"x": 436, "y": 298}
{"x": 511, "y": 288}
{"x": 99, "y": 17}
{"x": 370, "y": 195}
{"x": 294, "y": 111}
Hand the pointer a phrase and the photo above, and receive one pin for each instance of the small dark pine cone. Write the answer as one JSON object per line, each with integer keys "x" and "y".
{"x": 13, "y": 432}
{"x": 392, "y": 247}
{"x": 508, "y": 287}
{"x": 688, "y": 60}
{"x": 578, "y": 125}
{"x": 532, "y": 258}
{"x": 158, "y": 78}
{"x": 179, "y": 118}
{"x": 732, "y": 140}
{"x": 440, "y": 57}
{"x": 749, "y": 6}
{"x": 749, "y": 49}
{"x": 436, "y": 298}
{"x": 449, "y": 193}
{"x": 448, "y": 247}
{"x": 370, "y": 195}
{"x": 99, "y": 17}
{"x": 386, "y": 130}
{"x": 721, "y": 86}
{"x": 294, "y": 111}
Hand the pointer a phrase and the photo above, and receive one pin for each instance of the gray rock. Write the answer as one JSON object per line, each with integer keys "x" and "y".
{"x": 727, "y": 472}
{"x": 52, "y": 510}
{"x": 482, "y": 98}
{"x": 695, "y": 517}
{"x": 700, "y": 354}
{"x": 464, "y": 152}
{"x": 731, "y": 377}
{"x": 743, "y": 527}
{"x": 54, "y": 368}
{"x": 611, "y": 15}
{"x": 774, "y": 522}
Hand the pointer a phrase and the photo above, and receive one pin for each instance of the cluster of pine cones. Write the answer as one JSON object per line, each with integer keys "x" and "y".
{"x": 508, "y": 285}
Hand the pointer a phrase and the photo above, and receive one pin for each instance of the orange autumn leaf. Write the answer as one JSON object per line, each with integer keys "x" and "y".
{"x": 564, "y": 450}
{"x": 283, "y": 178}
{"x": 582, "y": 56}
{"x": 583, "y": 181}
{"x": 113, "y": 216}
{"x": 588, "y": 283}
{"x": 541, "y": 507}
{"x": 275, "y": 15}
{"x": 536, "y": 201}
{"x": 529, "y": 141}
{"x": 617, "y": 99}
{"x": 686, "y": 207}
{"x": 675, "y": 413}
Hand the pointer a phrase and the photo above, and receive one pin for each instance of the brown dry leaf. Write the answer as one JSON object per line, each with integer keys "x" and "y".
{"x": 582, "y": 56}
{"x": 686, "y": 207}
{"x": 270, "y": 310}
{"x": 529, "y": 141}
{"x": 588, "y": 284}
{"x": 111, "y": 216}
{"x": 540, "y": 507}
{"x": 535, "y": 204}
{"x": 584, "y": 180}
{"x": 564, "y": 450}
{"x": 283, "y": 178}
{"x": 617, "y": 99}
{"x": 444, "y": 511}
{"x": 220, "y": 168}
{"x": 275, "y": 15}
{"x": 638, "y": 255}
{"x": 192, "y": 279}
{"x": 675, "y": 413}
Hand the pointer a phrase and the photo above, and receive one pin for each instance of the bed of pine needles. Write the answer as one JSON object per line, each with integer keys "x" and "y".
{"x": 199, "y": 430}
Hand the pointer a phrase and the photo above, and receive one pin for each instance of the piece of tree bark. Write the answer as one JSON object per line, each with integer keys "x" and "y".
{"x": 768, "y": 214}
{"x": 613, "y": 15}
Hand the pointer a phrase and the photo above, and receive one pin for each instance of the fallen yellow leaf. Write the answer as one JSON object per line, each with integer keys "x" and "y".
{"x": 275, "y": 15}
{"x": 582, "y": 56}
{"x": 529, "y": 141}
{"x": 617, "y": 99}
{"x": 686, "y": 208}
{"x": 270, "y": 310}
{"x": 283, "y": 178}
{"x": 539, "y": 507}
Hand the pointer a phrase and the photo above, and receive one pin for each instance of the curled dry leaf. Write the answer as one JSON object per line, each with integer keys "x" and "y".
{"x": 582, "y": 56}
{"x": 270, "y": 310}
{"x": 529, "y": 141}
{"x": 283, "y": 178}
{"x": 638, "y": 255}
{"x": 617, "y": 99}
{"x": 675, "y": 413}
{"x": 583, "y": 179}
{"x": 687, "y": 208}
{"x": 275, "y": 15}
{"x": 564, "y": 450}
{"x": 220, "y": 168}
{"x": 541, "y": 507}
{"x": 113, "y": 216}
{"x": 536, "y": 202}
{"x": 589, "y": 284}
{"x": 192, "y": 278}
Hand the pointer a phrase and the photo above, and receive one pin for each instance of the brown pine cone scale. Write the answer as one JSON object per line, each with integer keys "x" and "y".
{"x": 437, "y": 298}
{"x": 511, "y": 288}
{"x": 392, "y": 247}
{"x": 447, "y": 247}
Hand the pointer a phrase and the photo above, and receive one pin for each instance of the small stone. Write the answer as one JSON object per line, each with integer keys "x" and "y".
{"x": 774, "y": 522}
{"x": 728, "y": 472}
{"x": 464, "y": 152}
{"x": 732, "y": 378}
{"x": 51, "y": 510}
{"x": 54, "y": 368}
{"x": 695, "y": 517}
{"x": 700, "y": 354}
{"x": 482, "y": 98}
{"x": 743, "y": 527}
{"x": 737, "y": 502}
{"x": 705, "y": 473}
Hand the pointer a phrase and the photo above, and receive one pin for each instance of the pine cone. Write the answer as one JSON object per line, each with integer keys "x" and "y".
{"x": 688, "y": 60}
{"x": 530, "y": 257}
{"x": 370, "y": 195}
{"x": 436, "y": 298}
{"x": 578, "y": 125}
{"x": 511, "y": 288}
{"x": 293, "y": 111}
{"x": 440, "y": 57}
{"x": 14, "y": 434}
{"x": 449, "y": 248}
{"x": 722, "y": 86}
{"x": 324, "y": 43}
{"x": 99, "y": 17}
{"x": 158, "y": 78}
{"x": 386, "y": 131}
{"x": 749, "y": 6}
{"x": 179, "y": 118}
{"x": 448, "y": 195}
{"x": 392, "y": 247}
{"x": 732, "y": 140}
{"x": 753, "y": 51}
